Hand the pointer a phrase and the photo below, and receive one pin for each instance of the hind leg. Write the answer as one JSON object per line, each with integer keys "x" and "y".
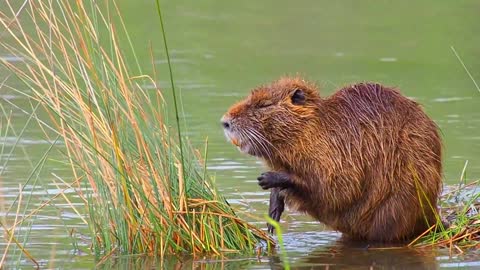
{"x": 397, "y": 221}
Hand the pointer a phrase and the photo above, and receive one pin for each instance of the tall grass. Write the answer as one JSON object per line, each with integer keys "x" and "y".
{"x": 145, "y": 191}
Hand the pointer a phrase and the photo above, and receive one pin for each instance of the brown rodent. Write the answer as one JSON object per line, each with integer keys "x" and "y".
{"x": 365, "y": 161}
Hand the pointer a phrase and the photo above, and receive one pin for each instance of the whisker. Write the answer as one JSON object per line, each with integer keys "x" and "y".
{"x": 262, "y": 137}
{"x": 255, "y": 135}
{"x": 254, "y": 138}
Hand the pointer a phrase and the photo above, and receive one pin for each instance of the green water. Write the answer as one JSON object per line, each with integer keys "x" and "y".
{"x": 220, "y": 50}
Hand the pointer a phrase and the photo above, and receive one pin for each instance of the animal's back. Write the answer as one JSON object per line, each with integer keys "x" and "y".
{"x": 388, "y": 149}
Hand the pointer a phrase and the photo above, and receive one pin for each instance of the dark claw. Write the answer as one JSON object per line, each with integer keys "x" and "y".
{"x": 270, "y": 228}
{"x": 276, "y": 207}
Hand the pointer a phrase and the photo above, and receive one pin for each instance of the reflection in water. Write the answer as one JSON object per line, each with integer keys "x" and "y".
{"x": 331, "y": 253}
{"x": 358, "y": 257}
{"x": 337, "y": 256}
{"x": 177, "y": 263}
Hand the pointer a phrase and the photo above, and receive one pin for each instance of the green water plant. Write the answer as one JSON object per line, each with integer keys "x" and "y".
{"x": 278, "y": 231}
{"x": 145, "y": 189}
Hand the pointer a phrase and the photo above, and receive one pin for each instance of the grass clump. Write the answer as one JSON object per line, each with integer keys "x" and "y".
{"x": 145, "y": 192}
{"x": 458, "y": 226}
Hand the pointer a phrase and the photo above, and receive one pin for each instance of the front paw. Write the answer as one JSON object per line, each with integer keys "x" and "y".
{"x": 274, "y": 179}
{"x": 266, "y": 180}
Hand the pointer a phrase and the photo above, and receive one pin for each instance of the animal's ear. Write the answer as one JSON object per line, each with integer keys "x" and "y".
{"x": 298, "y": 97}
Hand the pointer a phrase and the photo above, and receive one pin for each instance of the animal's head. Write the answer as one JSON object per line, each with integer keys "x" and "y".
{"x": 272, "y": 116}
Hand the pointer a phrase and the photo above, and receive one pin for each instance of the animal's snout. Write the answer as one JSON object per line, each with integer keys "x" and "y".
{"x": 226, "y": 123}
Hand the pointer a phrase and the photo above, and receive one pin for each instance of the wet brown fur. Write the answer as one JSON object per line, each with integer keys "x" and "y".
{"x": 365, "y": 161}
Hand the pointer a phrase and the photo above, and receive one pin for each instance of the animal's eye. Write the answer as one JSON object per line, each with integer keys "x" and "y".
{"x": 298, "y": 97}
{"x": 265, "y": 104}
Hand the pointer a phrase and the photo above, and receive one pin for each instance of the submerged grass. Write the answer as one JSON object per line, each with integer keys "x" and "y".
{"x": 145, "y": 191}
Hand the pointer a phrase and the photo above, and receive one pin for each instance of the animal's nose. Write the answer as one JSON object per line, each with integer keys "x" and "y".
{"x": 226, "y": 124}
